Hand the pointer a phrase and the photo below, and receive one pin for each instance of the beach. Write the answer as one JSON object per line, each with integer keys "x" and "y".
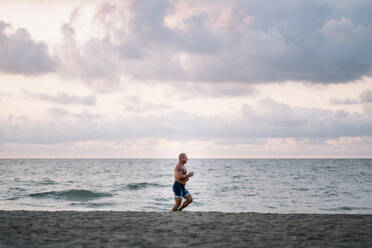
{"x": 182, "y": 229}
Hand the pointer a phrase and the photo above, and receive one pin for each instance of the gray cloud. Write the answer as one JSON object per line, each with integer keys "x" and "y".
{"x": 58, "y": 112}
{"x": 19, "y": 54}
{"x": 270, "y": 119}
{"x": 135, "y": 104}
{"x": 61, "y": 113}
{"x": 228, "y": 89}
{"x": 346, "y": 101}
{"x": 364, "y": 97}
{"x": 63, "y": 98}
{"x": 313, "y": 41}
{"x": 273, "y": 119}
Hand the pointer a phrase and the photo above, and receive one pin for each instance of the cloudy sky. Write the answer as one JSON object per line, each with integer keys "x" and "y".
{"x": 212, "y": 78}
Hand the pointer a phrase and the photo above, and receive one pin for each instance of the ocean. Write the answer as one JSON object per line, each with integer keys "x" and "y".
{"x": 227, "y": 185}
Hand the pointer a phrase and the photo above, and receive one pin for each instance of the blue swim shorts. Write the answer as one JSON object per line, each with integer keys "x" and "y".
{"x": 179, "y": 190}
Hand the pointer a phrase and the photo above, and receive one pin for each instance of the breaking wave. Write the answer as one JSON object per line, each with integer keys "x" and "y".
{"x": 71, "y": 195}
{"x": 137, "y": 186}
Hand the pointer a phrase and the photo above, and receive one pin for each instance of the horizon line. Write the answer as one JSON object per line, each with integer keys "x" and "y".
{"x": 175, "y": 158}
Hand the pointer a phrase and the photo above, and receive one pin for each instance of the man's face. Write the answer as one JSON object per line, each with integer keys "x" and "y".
{"x": 184, "y": 159}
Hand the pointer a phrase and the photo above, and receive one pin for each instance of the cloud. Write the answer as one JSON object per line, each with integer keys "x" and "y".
{"x": 63, "y": 98}
{"x": 270, "y": 119}
{"x": 62, "y": 113}
{"x": 93, "y": 62}
{"x": 4, "y": 95}
{"x": 59, "y": 112}
{"x": 219, "y": 41}
{"x": 344, "y": 31}
{"x": 19, "y": 54}
{"x": 346, "y": 101}
{"x": 364, "y": 97}
{"x": 228, "y": 89}
{"x": 135, "y": 104}
{"x": 273, "y": 119}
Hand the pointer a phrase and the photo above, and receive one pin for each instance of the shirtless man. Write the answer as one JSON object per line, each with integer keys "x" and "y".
{"x": 180, "y": 179}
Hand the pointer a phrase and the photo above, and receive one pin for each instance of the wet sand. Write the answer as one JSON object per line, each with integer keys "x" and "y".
{"x": 182, "y": 229}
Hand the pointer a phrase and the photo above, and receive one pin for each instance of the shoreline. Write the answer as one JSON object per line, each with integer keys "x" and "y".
{"x": 21, "y": 228}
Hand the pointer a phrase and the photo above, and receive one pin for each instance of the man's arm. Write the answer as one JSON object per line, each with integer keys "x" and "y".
{"x": 181, "y": 176}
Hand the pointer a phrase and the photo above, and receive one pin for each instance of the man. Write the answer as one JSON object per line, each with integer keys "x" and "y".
{"x": 180, "y": 179}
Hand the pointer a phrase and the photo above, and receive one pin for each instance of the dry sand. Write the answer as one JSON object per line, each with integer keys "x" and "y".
{"x": 182, "y": 229}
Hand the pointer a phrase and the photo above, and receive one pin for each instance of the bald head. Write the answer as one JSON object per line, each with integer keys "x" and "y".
{"x": 182, "y": 158}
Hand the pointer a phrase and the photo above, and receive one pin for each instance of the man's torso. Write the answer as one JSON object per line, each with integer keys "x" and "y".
{"x": 184, "y": 172}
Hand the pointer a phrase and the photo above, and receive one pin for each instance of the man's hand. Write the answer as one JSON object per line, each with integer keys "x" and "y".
{"x": 191, "y": 173}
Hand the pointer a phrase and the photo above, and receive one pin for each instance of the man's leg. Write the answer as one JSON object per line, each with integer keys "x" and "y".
{"x": 187, "y": 202}
{"x": 177, "y": 203}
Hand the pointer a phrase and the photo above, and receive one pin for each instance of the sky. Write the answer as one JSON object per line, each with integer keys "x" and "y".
{"x": 212, "y": 78}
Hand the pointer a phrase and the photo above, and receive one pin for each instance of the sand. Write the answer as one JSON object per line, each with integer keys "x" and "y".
{"x": 182, "y": 229}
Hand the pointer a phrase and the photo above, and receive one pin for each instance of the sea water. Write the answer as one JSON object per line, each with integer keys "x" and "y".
{"x": 227, "y": 185}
